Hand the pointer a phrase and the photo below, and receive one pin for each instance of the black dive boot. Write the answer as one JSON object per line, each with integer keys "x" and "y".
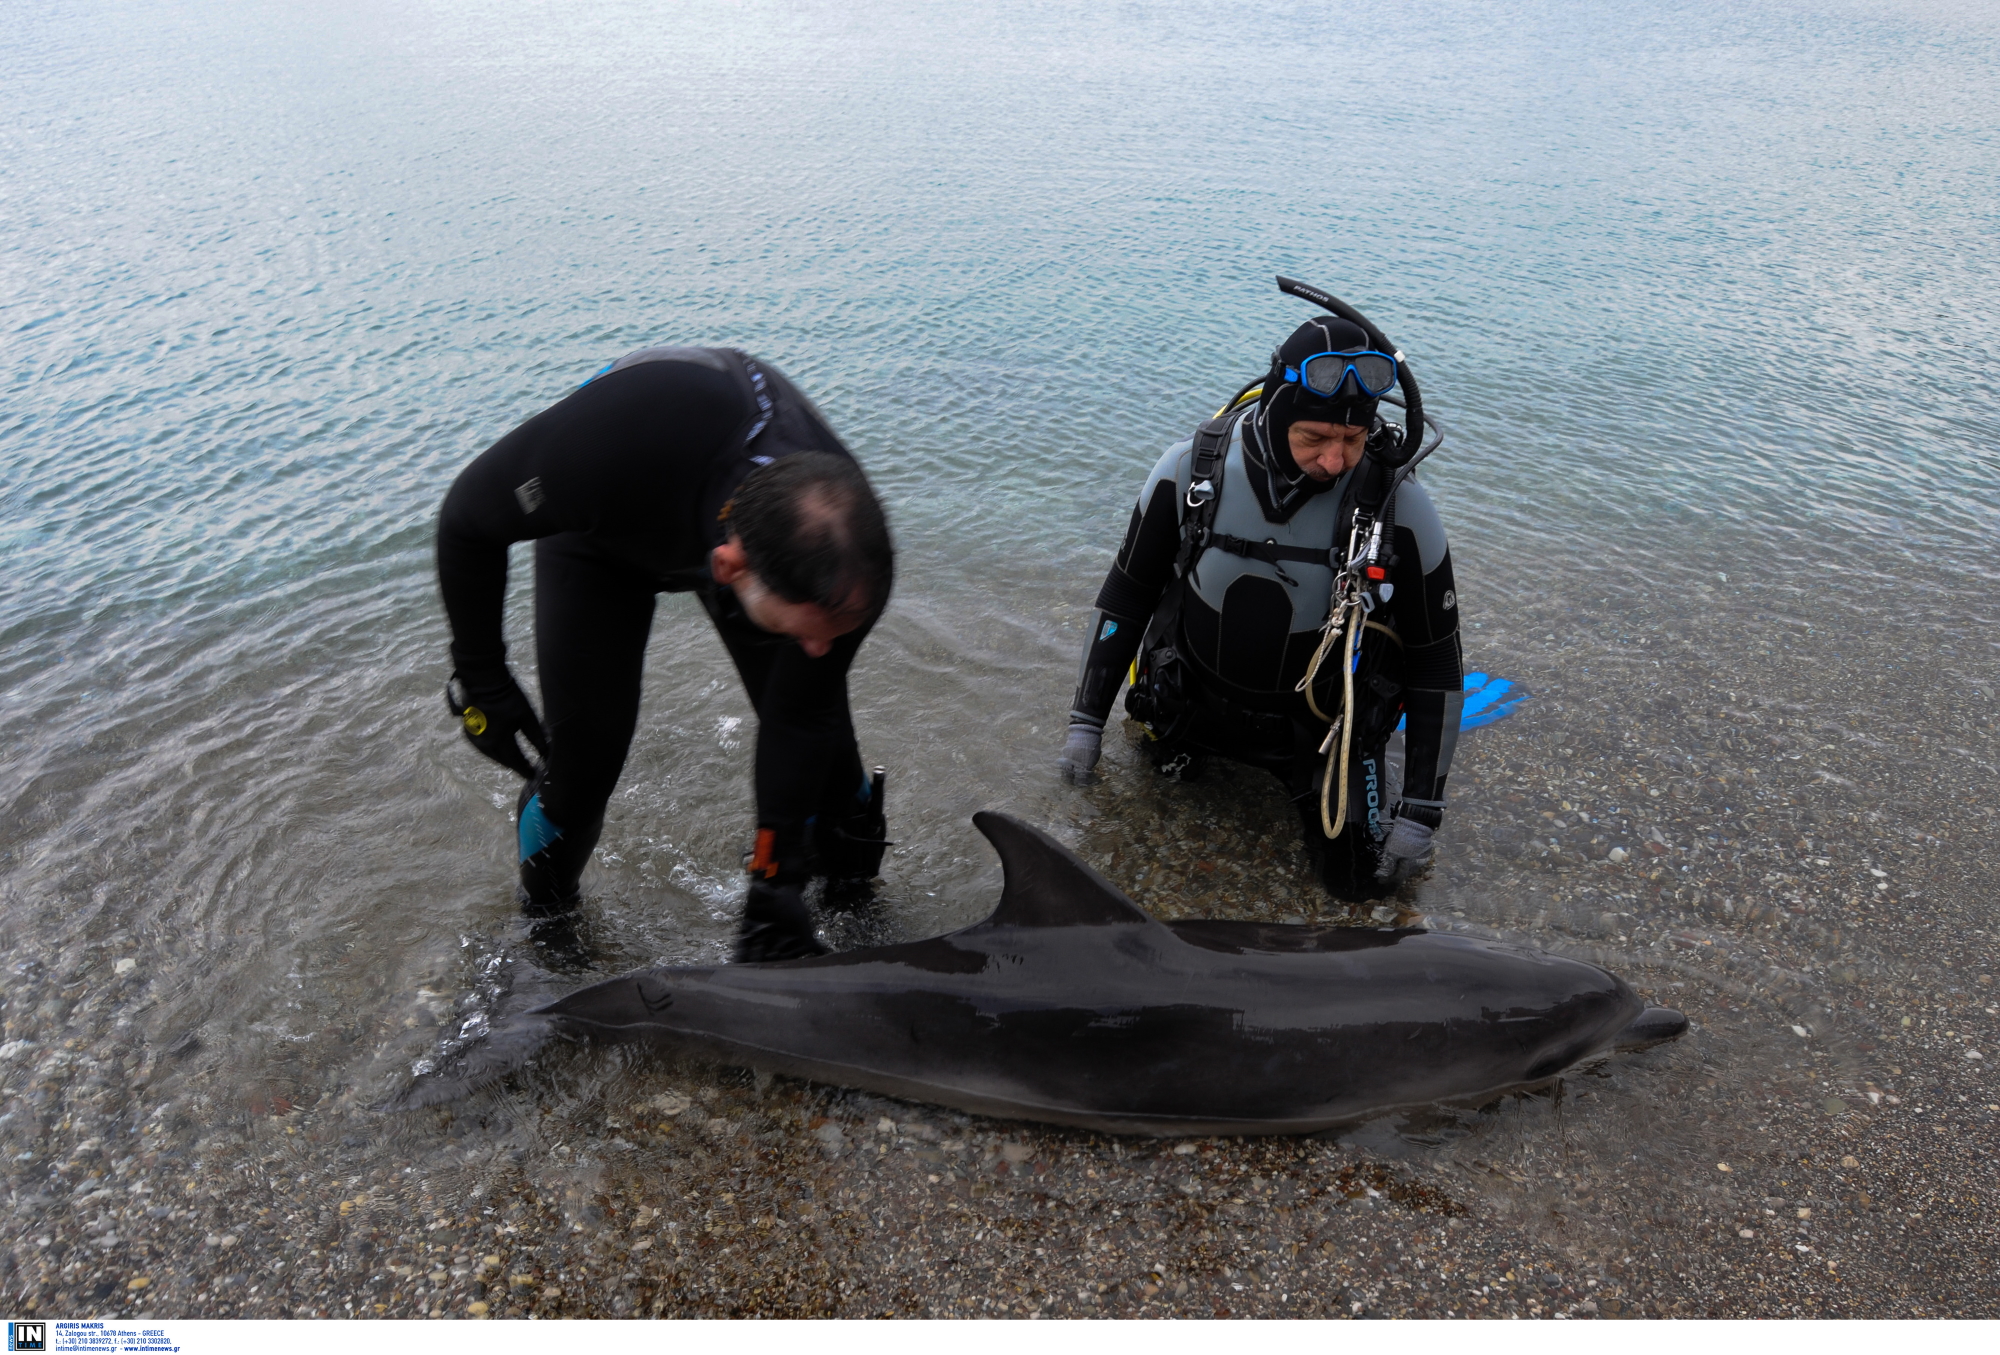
{"x": 776, "y": 925}
{"x": 552, "y": 858}
{"x": 848, "y": 850}
{"x": 1346, "y": 864}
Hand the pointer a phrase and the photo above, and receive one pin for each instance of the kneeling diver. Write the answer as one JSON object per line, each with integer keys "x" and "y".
{"x": 1286, "y": 591}
{"x": 675, "y": 470}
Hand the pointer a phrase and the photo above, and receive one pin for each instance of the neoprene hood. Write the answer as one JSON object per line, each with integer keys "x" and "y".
{"x": 1286, "y": 403}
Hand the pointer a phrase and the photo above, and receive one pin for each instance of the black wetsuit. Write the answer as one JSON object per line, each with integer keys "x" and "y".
{"x": 623, "y": 486}
{"x": 1240, "y": 631}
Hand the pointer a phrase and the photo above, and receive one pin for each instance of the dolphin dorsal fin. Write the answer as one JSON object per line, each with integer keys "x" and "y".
{"x": 1046, "y": 885}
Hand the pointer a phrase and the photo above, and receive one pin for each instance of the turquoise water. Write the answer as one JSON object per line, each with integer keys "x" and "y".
{"x": 1705, "y": 295}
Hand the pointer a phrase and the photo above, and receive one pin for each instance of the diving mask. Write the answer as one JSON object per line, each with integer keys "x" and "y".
{"x": 1323, "y": 374}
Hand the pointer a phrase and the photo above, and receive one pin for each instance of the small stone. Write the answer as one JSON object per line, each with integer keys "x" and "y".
{"x": 477, "y": 1308}
{"x": 125, "y": 966}
{"x": 1801, "y": 1032}
{"x": 1850, "y": 1161}
{"x": 1746, "y": 1232}
{"x": 139, "y": 1282}
{"x": 668, "y": 1104}
{"x": 1618, "y": 856}
{"x": 1183, "y": 1149}
{"x": 1722, "y": 1166}
{"x": 1016, "y": 1153}
{"x": 552, "y": 1292}
{"x": 1805, "y": 1213}
{"x": 490, "y": 1260}
{"x": 228, "y": 1240}
{"x": 885, "y": 1125}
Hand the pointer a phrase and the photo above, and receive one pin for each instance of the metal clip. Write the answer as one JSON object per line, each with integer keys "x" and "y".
{"x": 1200, "y": 493}
{"x": 1278, "y": 566}
{"x": 1332, "y": 733}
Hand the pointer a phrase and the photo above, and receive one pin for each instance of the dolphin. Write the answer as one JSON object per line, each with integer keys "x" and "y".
{"x": 1071, "y": 1005}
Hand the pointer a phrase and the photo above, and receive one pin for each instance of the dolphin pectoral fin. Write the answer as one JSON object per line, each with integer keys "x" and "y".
{"x": 1655, "y": 1025}
{"x": 1046, "y": 884}
{"x": 505, "y": 1049}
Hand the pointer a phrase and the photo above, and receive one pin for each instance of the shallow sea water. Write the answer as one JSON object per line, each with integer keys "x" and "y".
{"x": 1704, "y": 297}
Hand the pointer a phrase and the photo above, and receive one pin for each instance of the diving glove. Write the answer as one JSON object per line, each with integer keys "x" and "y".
{"x": 776, "y": 925}
{"x": 1081, "y": 750}
{"x": 1407, "y": 850}
{"x": 492, "y": 709}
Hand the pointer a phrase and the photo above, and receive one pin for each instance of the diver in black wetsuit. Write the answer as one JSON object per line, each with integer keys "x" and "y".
{"x": 1226, "y": 580}
{"x": 675, "y": 470}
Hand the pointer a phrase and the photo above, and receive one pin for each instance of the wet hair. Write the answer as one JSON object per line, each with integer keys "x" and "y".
{"x": 815, "y": 532}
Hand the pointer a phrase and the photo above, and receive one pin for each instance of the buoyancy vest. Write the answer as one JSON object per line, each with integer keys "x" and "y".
{"x": 1250, "y": 596}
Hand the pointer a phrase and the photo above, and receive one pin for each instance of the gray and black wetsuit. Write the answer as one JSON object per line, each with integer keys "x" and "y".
{"x": 1244, "y": 630}
{"x": 622, "y": 488}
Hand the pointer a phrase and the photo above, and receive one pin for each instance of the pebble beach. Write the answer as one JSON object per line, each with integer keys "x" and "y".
{"x": 1700, "y": 295}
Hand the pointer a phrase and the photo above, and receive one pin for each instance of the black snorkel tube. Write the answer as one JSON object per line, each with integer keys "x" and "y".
{"x": 1414, "y": 447}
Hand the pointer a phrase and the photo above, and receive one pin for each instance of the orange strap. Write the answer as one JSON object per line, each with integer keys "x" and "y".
{"x": 764, "y": 860}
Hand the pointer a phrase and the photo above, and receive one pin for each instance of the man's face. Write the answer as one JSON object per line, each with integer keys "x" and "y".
{"x": 813, "y": 626}
{"x": 1326, "y": 451}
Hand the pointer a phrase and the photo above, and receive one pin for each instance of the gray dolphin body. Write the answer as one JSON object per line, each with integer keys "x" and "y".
{"x": 1071, "y": 1005}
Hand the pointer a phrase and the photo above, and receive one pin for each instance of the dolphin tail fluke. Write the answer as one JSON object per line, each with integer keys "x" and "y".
{"x": 1046, "y": 884}
{"x": 1655, "y": 1025}
{"x": 505, "y": 1049}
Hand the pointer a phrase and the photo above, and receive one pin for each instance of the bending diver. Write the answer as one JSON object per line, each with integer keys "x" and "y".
{"x": 675, "y": 470}
{"x": 1284, "y": 595}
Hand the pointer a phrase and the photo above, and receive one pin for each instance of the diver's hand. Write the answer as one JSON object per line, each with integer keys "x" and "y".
{"x": 492, "y": 709}
{"x": 1405, "y": 852}
{"x": 1080, "y": 752}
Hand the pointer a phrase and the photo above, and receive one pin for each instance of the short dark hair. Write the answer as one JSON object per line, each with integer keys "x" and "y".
{"x": 815, "y": 532}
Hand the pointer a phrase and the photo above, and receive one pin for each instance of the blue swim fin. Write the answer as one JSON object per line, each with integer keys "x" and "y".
{"x": 1487, "y": 699}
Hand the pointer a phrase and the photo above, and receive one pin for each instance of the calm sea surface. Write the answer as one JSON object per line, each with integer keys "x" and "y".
{"x": 1705, "y": 295}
